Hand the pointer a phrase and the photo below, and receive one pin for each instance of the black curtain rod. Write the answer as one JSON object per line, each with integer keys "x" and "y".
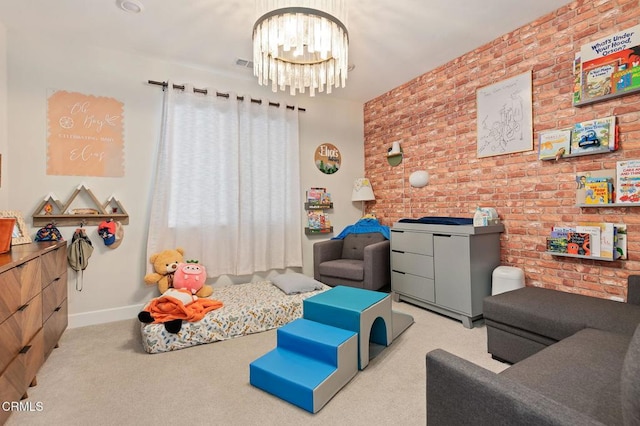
{"x": 224, "y": 95}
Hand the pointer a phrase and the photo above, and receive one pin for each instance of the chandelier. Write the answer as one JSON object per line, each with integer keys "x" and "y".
{"x": 301, "y": 46}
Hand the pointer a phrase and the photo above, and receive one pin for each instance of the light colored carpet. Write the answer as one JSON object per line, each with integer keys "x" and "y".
{"x": 101, "y": 376}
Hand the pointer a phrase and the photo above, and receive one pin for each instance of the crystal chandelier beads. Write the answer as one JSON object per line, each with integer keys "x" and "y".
{"x": 301, "y": 47}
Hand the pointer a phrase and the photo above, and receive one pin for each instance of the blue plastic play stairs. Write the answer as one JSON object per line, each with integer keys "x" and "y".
{"x": 311, "y": 363}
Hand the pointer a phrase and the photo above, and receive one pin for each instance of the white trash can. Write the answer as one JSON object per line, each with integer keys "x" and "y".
{"x": 506, "y": 278}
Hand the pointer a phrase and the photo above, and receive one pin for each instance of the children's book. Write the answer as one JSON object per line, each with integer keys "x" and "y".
{"x": 554, "y": 144}
{"x": 579, "y": 244}
{"x": 577, "y": 78}
{"x": 557, "y": 245}
{"x": 316, "y": 220}
{"x": 628, "y": 181}
{"x": 562, "y": 231}
{"x": 593, "y": 136}
{"x": 581, "y": 179}
{"x": 607, "y": 238}
{"x": 597, "y": 192}
{"x": 594, "y": 239}
{"x": 325, "y": 198}
{"x": 620, "y": 241}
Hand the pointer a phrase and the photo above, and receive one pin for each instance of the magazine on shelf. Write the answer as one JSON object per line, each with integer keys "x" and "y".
{"x": 594, "y": 136}
{"x": 628, "y": 181}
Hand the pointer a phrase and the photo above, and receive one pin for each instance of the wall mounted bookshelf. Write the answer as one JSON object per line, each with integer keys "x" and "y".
{"x": 51, "y": 210}
{"x": 318, "y": 201}
{"x": 610, "y": 205}
{"x": 579, "y": 256}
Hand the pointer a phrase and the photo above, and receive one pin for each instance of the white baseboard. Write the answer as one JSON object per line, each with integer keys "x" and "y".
{"x": 104, "y": 316}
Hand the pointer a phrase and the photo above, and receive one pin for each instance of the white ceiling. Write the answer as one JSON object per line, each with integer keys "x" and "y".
{"x": 391, "y": 41}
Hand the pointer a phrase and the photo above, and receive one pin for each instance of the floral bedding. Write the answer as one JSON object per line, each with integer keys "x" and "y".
{"x": 248, "y": 308}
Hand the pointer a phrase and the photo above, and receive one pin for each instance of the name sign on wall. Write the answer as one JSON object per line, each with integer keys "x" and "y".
{"x": 327, "y": 158}
{"x": 85, "y": 135}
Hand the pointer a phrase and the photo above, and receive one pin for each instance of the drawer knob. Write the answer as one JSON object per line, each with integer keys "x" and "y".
{"x": 23, "y": 307}
{"x": 57, "y": 309}
{"x": 25, "y": 349}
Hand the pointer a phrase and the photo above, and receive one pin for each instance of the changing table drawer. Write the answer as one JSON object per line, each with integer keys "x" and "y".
{"x": 412, "y": 263}
{"x": 414, "y": 286}
{"x": 412, "y": 242}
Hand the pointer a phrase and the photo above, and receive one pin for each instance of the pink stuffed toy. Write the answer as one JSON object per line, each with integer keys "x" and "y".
{"x": 191, "y": 276}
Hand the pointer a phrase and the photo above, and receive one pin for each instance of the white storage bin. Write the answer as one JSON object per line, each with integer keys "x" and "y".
{"x": 506, "y": 278}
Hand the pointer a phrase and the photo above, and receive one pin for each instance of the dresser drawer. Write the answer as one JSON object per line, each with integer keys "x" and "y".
{"x": 412, "y": 242}
{"x": 53, "y": 295}
{"x": 54, "y": 264}
{"x": 18, "y": 285}
{"x": 33, "y": 280}
{"x": 54, "y": 327}
{"x": 30, "y": 318}
{"x": 412, "y": 263}
{"x": 12, "y": 385}
{"x": 9, "y": 293}
{"x": 11, "y": 340}
{"x": 30, "y": 279}
{"x": 413, "y": 285}
{"x": 32, "y": 356}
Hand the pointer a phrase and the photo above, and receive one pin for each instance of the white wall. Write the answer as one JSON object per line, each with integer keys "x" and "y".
{"x": 4, "y": 192}
{"x": 113, "y": 282}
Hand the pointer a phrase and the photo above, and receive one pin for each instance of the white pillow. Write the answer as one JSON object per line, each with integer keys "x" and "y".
{"x": 293, "y": 282}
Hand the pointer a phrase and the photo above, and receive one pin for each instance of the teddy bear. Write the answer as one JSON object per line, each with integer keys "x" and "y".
{"x": 165, "y": 265}
{"x": 191, "y": 276}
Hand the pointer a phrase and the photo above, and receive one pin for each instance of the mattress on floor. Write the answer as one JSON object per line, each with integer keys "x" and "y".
{"x": 248, "y": 308}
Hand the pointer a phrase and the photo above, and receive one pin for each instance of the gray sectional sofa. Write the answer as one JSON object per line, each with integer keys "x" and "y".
{"x": 576, "y": 361}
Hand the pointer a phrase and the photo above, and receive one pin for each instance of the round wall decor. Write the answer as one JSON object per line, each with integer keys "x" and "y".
{"x": 327, "y": 158}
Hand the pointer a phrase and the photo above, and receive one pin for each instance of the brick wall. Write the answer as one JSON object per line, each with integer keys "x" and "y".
{"x": 434, "y": 119}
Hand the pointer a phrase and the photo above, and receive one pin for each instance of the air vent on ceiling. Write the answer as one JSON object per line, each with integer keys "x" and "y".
{"x": 244, "y": 63}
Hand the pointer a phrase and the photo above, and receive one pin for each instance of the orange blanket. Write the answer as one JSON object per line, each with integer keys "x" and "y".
{"x": 167, "y": 308}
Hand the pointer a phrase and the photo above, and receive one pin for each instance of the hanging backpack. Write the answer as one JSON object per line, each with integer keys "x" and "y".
{"x": 78, "y": 255}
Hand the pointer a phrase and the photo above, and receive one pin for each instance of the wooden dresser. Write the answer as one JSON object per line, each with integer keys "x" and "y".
{"x": 33, "y": 314}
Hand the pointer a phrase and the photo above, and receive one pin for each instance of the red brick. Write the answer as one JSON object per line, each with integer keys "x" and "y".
{"x": 434, "y": 117}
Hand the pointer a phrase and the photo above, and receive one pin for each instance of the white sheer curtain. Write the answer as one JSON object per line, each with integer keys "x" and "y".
{"x": 227, "y": 185}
